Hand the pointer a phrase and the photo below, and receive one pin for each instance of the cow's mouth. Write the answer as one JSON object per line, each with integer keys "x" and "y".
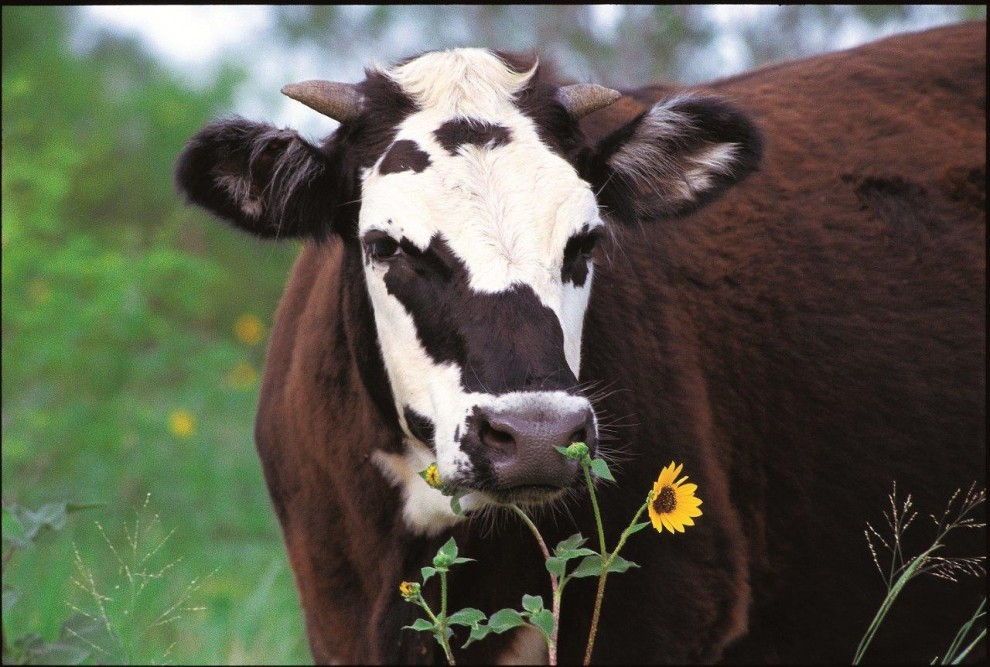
{"x": 530, "y": 494}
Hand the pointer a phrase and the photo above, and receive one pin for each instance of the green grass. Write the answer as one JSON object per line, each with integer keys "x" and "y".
{"x": 223, "y": 536}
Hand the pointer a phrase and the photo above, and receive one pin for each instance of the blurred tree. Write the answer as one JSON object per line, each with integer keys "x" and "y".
{"x": 123, "y": 371}
{"x": 622, "y": 45}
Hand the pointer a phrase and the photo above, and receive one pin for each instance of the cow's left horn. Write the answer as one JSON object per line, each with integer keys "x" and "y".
{"x": 581, "y": 99}
{"x": 340, "y": 101}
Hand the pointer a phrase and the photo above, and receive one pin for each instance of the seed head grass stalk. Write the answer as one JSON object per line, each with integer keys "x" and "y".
{"x": 900, "y": 571}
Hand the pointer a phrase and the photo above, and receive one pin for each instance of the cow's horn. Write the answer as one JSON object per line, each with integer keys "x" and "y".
{"x": 581, "y": 99}
{"x": 340, "y": 101}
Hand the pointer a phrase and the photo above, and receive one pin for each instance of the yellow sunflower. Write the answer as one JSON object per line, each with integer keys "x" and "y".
{"x": 673, "y": 504}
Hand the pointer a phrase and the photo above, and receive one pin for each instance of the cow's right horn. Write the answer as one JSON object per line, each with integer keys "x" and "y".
{"x": 581, "y": 99}
{"x": 340, "y": 101}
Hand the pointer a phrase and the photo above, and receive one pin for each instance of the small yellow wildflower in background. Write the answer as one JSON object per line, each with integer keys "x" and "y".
{"x": 249, "y": 329}
{"x": 432, "y": 476}
{"x": 673, "y": 504}
{"x": 242, "y": 376}
{"x": 181, "y": 423}
{"x": 409, "y": 590}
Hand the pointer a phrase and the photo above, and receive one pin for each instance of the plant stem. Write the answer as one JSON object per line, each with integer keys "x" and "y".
{"x": 443, "y": 595}
{"x": 606, "y": 564}
{"x": 552, "y": 641}
{"x": 594, "y": 506}
{"x": 888, "y": 601}
{"x": 601, "y": 577}
{"x": 594, "y": 618}
{"x": 441, "y": 632}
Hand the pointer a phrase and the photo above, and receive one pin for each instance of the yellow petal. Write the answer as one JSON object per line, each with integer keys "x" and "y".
{"x": 665, "y": 476}
{"x": 692, "y": 511}
{"x": 688, "y": 488}
{"x": 666, "y": 523}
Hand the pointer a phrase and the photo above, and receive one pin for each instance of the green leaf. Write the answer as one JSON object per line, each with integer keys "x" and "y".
{"x": 477, "y": 633}
{"x": 455, "y": 505}
{"x": 600, "y": 469}
{"x": 532, "y": 603}
{"x": 449, "y": 549}
{"x": 591, "y": 566}
{"x": 468, "y": 616}
{"x": 638, "y": 527}
{"x": 420, "y": 625}
{"x": 556, "y": 566}
{"x": 571, "y": 548}
{"x": 82, "y": 635}
{"x": 544, "y": 621}
{"x": 505, "y": 619}
{"x": 22, "y": 526}
{"x": 14, "y": 532}
{"x": 462, "y": 560}
{"x": 571, "y": 543}
{"x": 428, "y": 572}
{"x": 620, "y": 564}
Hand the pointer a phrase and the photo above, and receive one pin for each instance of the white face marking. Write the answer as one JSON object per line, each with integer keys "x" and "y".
{"x": 506, "y": 212}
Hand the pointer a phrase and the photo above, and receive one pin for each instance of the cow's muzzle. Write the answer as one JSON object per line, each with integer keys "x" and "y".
{"x": 517, "y": 446}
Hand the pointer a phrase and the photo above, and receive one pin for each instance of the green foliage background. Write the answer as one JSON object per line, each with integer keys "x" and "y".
{"x": 119, "y": 303}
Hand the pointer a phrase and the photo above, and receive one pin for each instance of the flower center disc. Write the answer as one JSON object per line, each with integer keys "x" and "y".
{"x": 666, "y": 501}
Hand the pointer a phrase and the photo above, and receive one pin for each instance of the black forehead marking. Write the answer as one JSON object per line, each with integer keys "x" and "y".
{"x": 404, "y": 155}
{"x": 503, "y": 341}
{"x": 460, "y": 131}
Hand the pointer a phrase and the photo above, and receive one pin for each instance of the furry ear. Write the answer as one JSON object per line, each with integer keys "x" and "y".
{"x": 674, "y": 158}
{"x": 267, "y": 181}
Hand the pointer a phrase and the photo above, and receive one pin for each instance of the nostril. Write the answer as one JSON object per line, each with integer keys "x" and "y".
{"x": 498, "y": 440}
{"x": 580, "y": 435}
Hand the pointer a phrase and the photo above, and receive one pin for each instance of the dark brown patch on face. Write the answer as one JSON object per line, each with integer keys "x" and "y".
{"x": 420, "y": 426}
{"x": 505, "y": 341}
{"x": 577, "y": 256}
{"x": 460, "y": 131}
{"x": 404, "y": 155}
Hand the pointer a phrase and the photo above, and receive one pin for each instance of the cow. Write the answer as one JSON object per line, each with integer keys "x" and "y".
{"x": 777, "y": 279}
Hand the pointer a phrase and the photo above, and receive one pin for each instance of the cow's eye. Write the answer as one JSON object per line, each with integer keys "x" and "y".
{"x": 381, "y": 247}
{"x": 587, "y": 244}
{"x": 581, "y": 246}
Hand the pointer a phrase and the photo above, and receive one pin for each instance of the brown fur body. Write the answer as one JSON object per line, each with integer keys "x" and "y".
{"x": 799, "y": 345}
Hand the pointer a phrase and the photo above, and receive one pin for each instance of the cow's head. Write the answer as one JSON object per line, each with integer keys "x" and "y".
{"x": 464, "y": 182}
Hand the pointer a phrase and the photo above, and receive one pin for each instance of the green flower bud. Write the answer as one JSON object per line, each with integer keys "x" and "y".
{"x": 442, "y": 561}
{"x": 577, "y": 451}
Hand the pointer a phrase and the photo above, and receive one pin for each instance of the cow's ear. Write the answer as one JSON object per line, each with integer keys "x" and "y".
{"x": 267, "y": 181}
{"x": 674, "y": 158}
